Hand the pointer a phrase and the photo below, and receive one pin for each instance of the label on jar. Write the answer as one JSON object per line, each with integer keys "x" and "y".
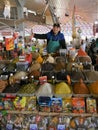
{"x": 33, "y": 127}
{"x": 61, "y": 127}
{"x": 9, "y": 127}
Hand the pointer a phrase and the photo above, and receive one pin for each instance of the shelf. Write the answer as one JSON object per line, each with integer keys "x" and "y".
{"x": 53, "y": 113}
{"x": 16, "y": 94}
{"x": 57, "y": 95}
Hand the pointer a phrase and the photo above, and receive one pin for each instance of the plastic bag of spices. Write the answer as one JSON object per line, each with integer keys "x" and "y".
{"x": 45, "y": 89}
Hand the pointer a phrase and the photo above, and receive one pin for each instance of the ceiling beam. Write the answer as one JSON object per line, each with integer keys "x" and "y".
{"x": 52, "y": 12}
{"x": 20, "y": 2}
{"x": 55, "y": 19}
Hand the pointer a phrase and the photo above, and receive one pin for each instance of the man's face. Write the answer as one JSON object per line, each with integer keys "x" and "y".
{"x": 56, "y": 30}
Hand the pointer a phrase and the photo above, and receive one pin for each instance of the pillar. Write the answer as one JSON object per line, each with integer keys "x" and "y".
{"x": 20, "y": 5}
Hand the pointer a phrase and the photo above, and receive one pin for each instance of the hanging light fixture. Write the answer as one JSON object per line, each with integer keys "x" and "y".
{"x": 7, "y": 8}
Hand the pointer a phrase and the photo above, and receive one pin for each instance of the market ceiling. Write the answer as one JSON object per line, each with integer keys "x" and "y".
{"x": 62, "y": 9}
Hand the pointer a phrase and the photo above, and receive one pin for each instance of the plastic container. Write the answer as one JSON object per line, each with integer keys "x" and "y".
{"x": 22, "y": 66}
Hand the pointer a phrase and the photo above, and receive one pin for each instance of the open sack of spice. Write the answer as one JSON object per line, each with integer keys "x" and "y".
{"x": 3, "y": 85}
{"x": 62, "y": 89}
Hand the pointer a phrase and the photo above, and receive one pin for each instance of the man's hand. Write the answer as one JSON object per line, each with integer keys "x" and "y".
{"x": 32, "y": 36}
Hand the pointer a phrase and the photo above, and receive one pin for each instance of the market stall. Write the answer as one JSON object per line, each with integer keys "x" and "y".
{"x": 41, "y": 90}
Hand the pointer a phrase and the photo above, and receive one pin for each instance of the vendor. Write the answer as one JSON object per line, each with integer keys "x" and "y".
{"x": 55, "y": 39}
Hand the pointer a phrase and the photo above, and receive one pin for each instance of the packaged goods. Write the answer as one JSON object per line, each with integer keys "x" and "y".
{"x": 31, "y": 103}
{"x": 56, "y": 104}
{"x": 20, "y": 103}
{"x": 44, "y": 103}
{"x": 80, "y": 88}
{"x": 78, "y": 105}
{"x": 91, "y": 105}
{"x": 8, "y": 105}
{"x": 67, "y": 105}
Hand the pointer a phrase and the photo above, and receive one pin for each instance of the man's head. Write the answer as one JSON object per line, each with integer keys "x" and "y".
{"x": 56, "y": 28}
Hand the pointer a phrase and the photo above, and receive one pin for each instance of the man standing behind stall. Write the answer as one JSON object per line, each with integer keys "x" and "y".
{"x": 55, "y": 39}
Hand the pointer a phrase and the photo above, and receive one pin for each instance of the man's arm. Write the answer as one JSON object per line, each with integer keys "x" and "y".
{"x": 63, "y": 44}
{"x": 40, "y": 36}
